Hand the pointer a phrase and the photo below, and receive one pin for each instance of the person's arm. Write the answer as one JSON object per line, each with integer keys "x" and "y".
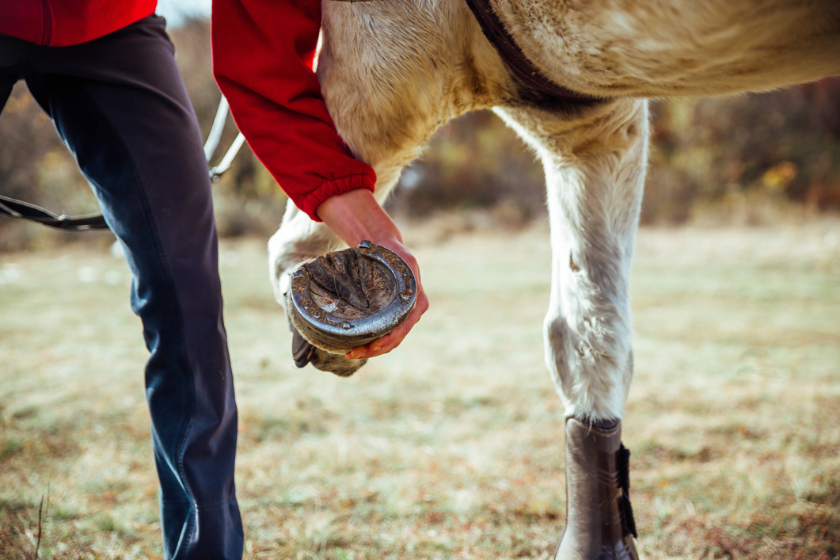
{"x": 263, "y": 52}
{"x": 262, "y": 60}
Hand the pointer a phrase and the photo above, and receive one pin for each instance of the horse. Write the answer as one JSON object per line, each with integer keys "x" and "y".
{"x": 393, "y": 71}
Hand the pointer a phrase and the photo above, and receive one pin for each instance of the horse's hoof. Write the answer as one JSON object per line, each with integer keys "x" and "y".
{"x": 346, "y": 299}
{"x": 302, "y": 351}
{"x": 599, "y": 519}
{"x": 305, "y": 353}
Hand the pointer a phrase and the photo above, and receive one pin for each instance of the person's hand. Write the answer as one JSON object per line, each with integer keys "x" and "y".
{"x": 355, "y": 216}
{"x": 395, "y": 337}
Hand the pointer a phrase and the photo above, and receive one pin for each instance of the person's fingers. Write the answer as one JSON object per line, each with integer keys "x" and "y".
{"x": 388, "y": 342}
{"x": 393, "y": 339}
{"x": 385, "y": 344}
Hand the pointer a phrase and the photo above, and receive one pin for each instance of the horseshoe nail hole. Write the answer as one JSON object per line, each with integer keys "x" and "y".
{"x": 572, "y": 265}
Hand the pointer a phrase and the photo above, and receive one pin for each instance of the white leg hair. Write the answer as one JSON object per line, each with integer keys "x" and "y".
{"x": 298, "y": 239}
{"x": 595, "y": 168}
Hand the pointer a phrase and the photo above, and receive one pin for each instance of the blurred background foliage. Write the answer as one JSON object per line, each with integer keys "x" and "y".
{"x": 749, "y": 159}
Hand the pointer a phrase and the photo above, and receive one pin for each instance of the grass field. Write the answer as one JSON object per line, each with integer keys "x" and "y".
{"x": 450, "y": 447}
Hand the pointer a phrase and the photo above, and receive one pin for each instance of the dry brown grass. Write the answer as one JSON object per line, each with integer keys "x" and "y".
{"x": 452, "y": 446}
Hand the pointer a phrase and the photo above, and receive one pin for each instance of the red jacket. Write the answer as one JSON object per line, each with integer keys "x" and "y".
{"x": 262, "y": 59}
{"x": 60, "y": 23}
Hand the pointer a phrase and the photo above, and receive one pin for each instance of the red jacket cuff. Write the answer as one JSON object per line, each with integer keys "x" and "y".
{"x": 311, "y": 201}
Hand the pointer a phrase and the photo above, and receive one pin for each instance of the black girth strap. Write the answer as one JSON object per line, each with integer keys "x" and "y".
{"x": 513, "y": 56}
{"x": 25, "y": 211}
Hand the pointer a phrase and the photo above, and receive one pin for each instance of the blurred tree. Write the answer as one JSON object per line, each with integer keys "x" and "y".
{"x": 781, "y": 146}
{"x": 473, "y": 162}
{"x": 36, "y": 167}
{"x": 710, "y": 154}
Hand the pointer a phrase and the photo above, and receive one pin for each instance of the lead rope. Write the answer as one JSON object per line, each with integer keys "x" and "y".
{"x": 19, "y": 209}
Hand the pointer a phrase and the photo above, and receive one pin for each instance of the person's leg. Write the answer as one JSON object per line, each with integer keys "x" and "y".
{"x": 12, "y": 55}
{"x": 120, "y": 105}
{"x": 6, "y": 85}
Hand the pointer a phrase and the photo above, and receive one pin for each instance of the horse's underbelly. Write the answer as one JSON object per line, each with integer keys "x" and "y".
{"x": 657, "y": 48}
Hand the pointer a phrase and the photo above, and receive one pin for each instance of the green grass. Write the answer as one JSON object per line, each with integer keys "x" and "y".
{"x": 450, "y": 447}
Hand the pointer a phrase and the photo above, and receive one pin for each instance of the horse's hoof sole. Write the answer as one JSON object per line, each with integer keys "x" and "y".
{"x": 346, "y": 299}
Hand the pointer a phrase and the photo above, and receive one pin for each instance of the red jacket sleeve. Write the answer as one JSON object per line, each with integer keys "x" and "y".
{"x": 263, "y": 52}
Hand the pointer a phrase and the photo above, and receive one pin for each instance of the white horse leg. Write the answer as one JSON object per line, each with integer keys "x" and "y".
{"x": 298, "y": 239}
{"x": 595, "y": 167}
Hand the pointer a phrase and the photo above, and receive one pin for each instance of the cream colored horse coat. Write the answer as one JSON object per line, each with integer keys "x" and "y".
{"x": 393, "y": 71}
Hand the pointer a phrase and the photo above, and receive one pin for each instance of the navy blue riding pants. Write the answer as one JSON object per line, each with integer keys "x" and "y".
{"x": 119, "y": 104}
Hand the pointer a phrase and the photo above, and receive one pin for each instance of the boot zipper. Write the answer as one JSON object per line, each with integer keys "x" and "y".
{"x": 47, "y": 34}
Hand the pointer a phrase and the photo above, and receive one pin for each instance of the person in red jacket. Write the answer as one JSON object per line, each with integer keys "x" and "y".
{"x": 104, "y": 71}
{"x": 263, "y": 54}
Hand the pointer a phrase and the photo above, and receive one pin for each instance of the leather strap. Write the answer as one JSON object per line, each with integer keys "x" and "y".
{"x": 26, "y": 211}
{"x": 495, "y": 31}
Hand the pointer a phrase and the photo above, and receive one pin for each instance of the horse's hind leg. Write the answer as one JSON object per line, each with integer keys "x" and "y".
{"x": 595, "y": 166}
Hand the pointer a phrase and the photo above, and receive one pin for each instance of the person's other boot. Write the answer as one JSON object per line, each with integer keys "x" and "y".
{"x": 599, "y": 519}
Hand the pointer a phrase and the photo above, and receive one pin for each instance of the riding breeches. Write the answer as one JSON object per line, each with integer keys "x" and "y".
{"x": 119, "y": 104}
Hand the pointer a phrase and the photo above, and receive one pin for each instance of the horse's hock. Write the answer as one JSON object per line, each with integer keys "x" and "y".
{"x": 346, "y": 299}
